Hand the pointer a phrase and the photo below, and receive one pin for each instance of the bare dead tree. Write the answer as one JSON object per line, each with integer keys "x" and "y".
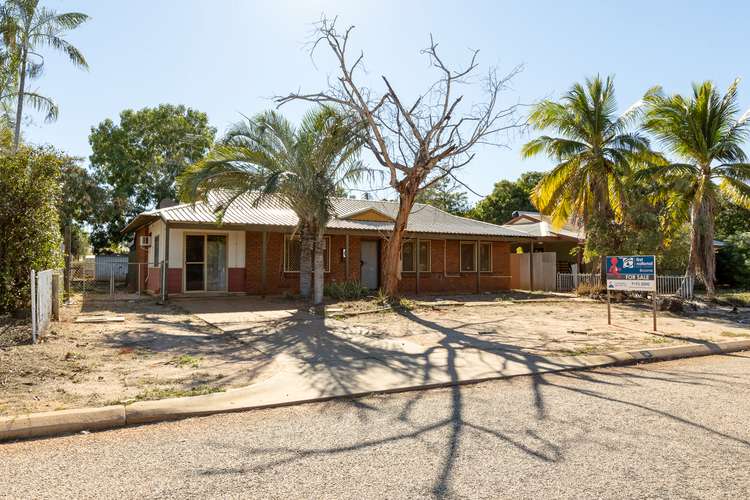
{"x": 421, "y": 143}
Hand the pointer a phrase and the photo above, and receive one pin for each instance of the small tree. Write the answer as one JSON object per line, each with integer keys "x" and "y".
{"x": 704, "y": 134}
{"x": 420, "y": 143}
{"x": 506, "y": 198}
{"x": 302, "y": 166}
{"x": 594, "y": 152}
{"x": 138, "y": 160}
{"x": 28, "y": 221}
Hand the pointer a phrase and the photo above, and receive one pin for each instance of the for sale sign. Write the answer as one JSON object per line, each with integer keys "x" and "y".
{"x": 631, "y": 272}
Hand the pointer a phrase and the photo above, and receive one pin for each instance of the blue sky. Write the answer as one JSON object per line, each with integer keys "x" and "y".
{"x": 228, "y": 57}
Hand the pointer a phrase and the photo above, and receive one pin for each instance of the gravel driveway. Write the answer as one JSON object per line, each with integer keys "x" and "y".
{"x": 676, "y": 429}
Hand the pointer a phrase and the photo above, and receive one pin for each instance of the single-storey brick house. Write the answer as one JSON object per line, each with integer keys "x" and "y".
{"x": 255, "y": 251}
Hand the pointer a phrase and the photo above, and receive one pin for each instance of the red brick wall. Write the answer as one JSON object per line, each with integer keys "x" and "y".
{"x": 236, "y": 279}
{"x": 153, "y": 283}
{"x": 279, "y": 281}
{"x": 440, "y": 279}
{"x": 174, "y": 280}
{"x": 453, "y": 280}
{"x": 141, "y": 258}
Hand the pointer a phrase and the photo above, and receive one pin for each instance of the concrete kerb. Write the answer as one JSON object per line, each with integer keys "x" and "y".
{"x": 46, "y": 424}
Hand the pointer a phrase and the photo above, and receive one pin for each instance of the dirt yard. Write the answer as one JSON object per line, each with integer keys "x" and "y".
{"x": 548, "y": 325}
{"x": 163, "y": 351}
{"x": 155, "y": 352}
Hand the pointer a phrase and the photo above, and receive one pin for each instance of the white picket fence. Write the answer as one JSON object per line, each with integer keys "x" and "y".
{"x": 665, "y": 285}
{"x": 41, "y": 302}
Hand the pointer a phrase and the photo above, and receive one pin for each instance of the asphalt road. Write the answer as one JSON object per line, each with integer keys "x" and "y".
{"x": 669, "y": 430}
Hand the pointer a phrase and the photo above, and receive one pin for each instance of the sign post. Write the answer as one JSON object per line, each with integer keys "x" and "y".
{"x": 631, "y": 273}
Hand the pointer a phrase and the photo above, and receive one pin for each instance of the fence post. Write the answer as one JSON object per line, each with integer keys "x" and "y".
{"x": 56, "y": 297}
{"x": 33, "y": 307}
{"x": 139, "y": 279}
{"x": 112, "y": 280}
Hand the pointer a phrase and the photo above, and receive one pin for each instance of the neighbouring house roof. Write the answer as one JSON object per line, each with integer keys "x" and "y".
{"x": 540, "y": 226}
{"x": 349, "y": 214}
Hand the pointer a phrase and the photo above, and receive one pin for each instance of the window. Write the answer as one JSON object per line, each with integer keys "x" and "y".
{"x": 293, "y": 251}
{"x": 156, "y": 251}
{"x": 424, "y": 256}
{"x": 485, "y": 257}
{"x": 409, "y": 257}
{"x": 468, "y": 257}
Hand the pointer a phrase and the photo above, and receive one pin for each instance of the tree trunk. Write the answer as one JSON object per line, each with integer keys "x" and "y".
{"x": 391, "y": 267}
{"x": 319, "y": 275}
{"x": 305, "y": 262}
{"x": 702, "y": 258}
{"x": 19, "y": 104}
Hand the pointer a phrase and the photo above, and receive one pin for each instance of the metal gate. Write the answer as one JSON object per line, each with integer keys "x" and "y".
{"x": 109, "y": 279}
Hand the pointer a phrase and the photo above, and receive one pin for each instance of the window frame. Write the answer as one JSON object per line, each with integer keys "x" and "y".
{"x": 326, "y": 264}
{"x": 461, "y": 256}
{"x": 413, "y": 243}
{"x": 488, "y": 244}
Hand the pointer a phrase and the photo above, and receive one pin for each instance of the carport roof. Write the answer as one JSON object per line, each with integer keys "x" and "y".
{"x": 271, "y": 211}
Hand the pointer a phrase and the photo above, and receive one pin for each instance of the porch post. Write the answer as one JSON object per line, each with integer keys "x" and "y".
{"x": 478, "y": 255}
{"x": 263, "y": 253}
{"x": 346, "y": 260}
{"x": 418, "y": 262}
{"x": 166, "y": 262}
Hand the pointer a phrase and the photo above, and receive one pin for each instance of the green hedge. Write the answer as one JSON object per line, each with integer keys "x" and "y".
{"x": 29, "y": 227}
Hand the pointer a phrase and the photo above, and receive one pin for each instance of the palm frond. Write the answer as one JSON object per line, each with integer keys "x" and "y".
{"x": 43, "y": 104}
{"x": 736, "y": 190}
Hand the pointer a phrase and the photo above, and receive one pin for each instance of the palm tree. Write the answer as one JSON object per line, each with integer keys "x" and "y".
{"x": 26, "y": 26}
{"x": 9, "y": 93}
{"x": 593, "y": 153}
{"x": 702, "y": 132}
{"x": 303, "y": 167}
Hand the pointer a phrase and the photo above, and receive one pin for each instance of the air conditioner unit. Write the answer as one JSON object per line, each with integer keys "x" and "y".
{"x": 145, "y": 241}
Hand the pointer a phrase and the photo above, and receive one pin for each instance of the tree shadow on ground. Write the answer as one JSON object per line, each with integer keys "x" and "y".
{"x": 332, "y": 360}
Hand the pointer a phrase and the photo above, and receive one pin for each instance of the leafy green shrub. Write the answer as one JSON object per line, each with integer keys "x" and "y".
{"x": 345, "y": 290}
{"x": 29, "y": 228}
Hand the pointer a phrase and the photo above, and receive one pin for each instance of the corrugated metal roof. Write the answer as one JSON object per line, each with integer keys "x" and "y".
{"x": 537, "y": 225}
{"x": 272, "y": 212}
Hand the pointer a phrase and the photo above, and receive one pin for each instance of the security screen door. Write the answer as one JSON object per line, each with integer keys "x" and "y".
{"x": 216, "y": 262}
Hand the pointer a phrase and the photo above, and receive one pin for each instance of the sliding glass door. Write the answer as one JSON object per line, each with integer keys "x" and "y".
{"x": 205, "y": 262}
